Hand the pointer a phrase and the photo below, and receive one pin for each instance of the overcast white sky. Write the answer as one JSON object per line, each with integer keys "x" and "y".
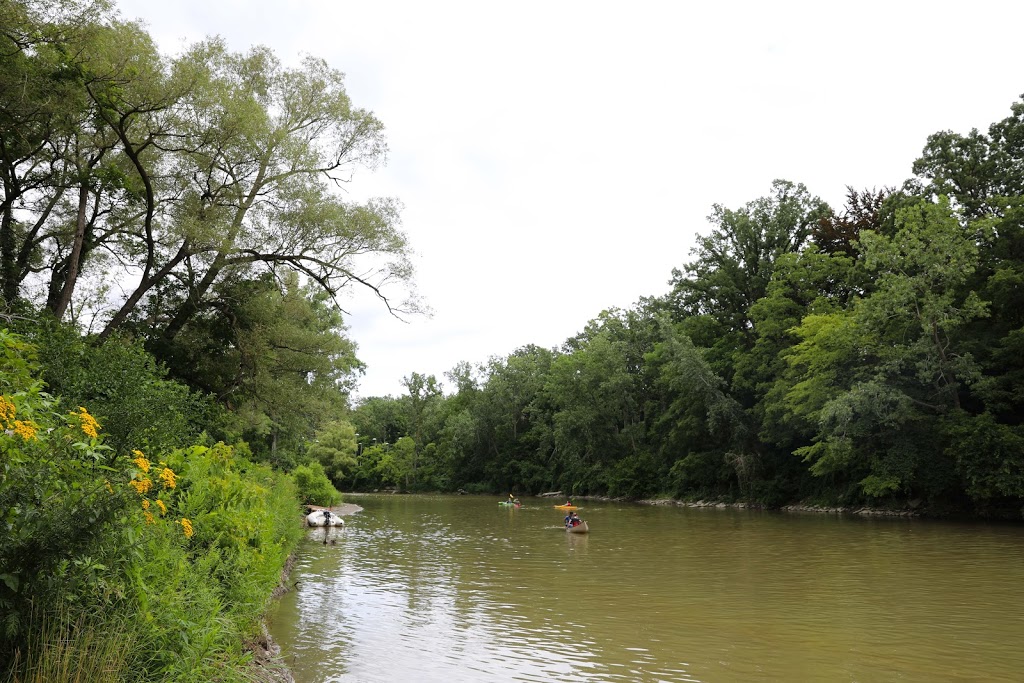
{"x": 557, "y": 158}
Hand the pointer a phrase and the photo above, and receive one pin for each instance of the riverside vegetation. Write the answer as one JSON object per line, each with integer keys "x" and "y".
{"x": 176, "y": 371}
{"x": 126, "y": 565}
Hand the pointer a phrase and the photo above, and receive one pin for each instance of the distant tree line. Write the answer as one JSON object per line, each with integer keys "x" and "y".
{"x": 871, "y": 355}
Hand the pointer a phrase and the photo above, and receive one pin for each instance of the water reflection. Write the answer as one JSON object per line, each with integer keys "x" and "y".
{"x": 450, "y": 589}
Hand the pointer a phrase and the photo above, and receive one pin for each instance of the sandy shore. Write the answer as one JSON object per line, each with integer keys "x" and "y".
{"x": 342, "y": 510}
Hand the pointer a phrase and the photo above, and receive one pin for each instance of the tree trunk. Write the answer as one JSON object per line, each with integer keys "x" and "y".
{"x": 147, "y": 283}
{"x": 8, "y": 268}
{"x": 76, "y": 254}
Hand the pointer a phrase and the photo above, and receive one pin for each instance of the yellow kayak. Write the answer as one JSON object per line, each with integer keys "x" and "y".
{"x": 566, "y": 507}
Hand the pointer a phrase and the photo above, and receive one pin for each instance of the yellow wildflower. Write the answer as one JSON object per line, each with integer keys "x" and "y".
{"x": 110, "y": 489}
{"x": 25, "y": 429}
{"x": 167, "y": 477}
{"x": 141, "y": 462}
{"x": 163, "y": 508}
{"x": 141, "y": 486}
{"x": 145, "y": 504}
{"x": 7, "y": 410}
{"x": 149, "y": 516}
{"x": 186, "y": 526}
{"x": 90, "y": 427}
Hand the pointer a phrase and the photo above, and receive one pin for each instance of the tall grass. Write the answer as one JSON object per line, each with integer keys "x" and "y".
{"x": 76, "y": 649}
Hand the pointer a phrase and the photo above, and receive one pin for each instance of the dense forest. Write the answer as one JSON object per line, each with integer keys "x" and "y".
{"x": 870, "y": 355}
{"x": 176, "y": 373}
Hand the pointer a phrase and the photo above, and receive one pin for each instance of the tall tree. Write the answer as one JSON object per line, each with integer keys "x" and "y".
{"x": 259, "y": 148}
{"x": 982, "y": 175}
{"x": 876, "y": 380}
{"x": 274, "y": 353}
{"x": 335, "y": 447}
{"x": 42, "y": 105}
{"x": 735, "y": 261}
{"x": 422, "y": 401}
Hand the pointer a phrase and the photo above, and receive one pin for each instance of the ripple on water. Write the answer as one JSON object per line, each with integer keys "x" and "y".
{"x": 445, "y": 590}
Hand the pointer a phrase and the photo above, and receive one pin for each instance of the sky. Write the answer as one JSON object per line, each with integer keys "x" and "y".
{"x": 556, "y": 159}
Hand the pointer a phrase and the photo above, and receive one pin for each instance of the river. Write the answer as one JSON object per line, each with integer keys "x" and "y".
{"x": 457, "y": 588}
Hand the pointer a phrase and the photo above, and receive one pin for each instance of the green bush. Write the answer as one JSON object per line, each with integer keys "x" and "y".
{"x": 63, "y": 517}
{"x": 173, "y": 553}
{"x": 124, "y": 387}
{"x": 314, "y": 488}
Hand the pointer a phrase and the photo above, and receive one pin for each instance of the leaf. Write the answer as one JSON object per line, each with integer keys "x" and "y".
{"x": 11, "y": 581}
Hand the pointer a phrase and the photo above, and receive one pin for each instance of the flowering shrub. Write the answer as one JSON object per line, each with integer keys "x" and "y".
{"x": 181, "y": 550}
{"x": 53, "y": 472}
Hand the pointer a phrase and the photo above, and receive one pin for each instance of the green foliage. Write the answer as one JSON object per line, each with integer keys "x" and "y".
{"x": 989, "y": 456}
{"x": 175, "y": 555}
{"x": 380, "y": 420}
{"x": 63, "y": 524}
{"x": 335, "y": 448}
{"x": 124, "y": 386}
{"x": 702, "y": 473}
{"x": 395, "y": 466}
{"x": 919, "y": 304}
{"x": 635, "y": 476}
{"x": 313, "y": 485}
{"x": 591, "y": 393}
{"x": 736, "y": 260}
{"x": 212, "y": 561}
{"x": 274, "y": 354}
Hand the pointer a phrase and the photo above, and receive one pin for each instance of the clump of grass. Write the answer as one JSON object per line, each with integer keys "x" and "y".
{"x": 75, "y": 649}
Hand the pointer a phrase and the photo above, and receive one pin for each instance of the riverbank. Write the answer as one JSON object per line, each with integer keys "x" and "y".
{"x": 912, "y": 509}
{"x": 268, "y": 666}
{"x": 343, "y": 510}
{"x": 879, "y": 512}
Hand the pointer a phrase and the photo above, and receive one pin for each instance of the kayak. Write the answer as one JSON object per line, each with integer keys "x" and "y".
{"x": 505, "y": 503}
{"x": 566, "y": 507}
{"x": 580, "y": 528}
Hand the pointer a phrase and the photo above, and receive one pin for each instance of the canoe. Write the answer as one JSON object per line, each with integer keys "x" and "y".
{"x": 580, "y": 528}
{"x": 566, "y": 507}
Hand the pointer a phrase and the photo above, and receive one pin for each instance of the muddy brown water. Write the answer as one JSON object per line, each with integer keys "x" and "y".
{"x": 457, "y": 588}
